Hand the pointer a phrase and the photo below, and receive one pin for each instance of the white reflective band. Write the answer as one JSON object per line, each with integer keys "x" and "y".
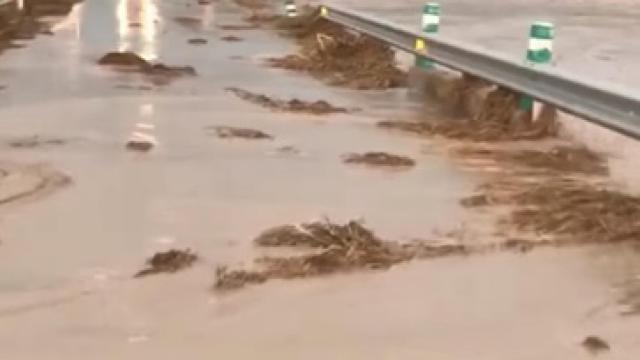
{"x": 540, "y": 44}
{"x": 290, "y": 6}
{"x": 430, "y": 19}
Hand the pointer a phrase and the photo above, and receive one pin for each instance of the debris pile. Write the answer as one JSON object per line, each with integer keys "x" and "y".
{"x": 379, "y": 159}
{"x": 576, "y": 211}
{"x": 49, "y": 7}
{"x": 495, "y": 119}
{"x": 158, "y": 73}
{"x": 319, "y": 107}
{"x": 168, "y": 262}
{"x": 342, "y": 58}
{"x": 559, "y": 159}
{"x": 225, "y": 132}
{"x": 29, "y": 23}
{"x": 331, "y": 248}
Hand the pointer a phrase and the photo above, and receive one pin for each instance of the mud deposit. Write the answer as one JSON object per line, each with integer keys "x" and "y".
{"x": 319, "y": 107}
{"x": 157, "y": 73}
{"x": 231, "y": 38}
{"x": 595, "y": 344}
{"x": 559, "y": 159}
{"x": 229, "y": 132}
{"x": 29, "y": 24}
{"x": 331, "y": 248}
{"x": 568, "y": 202}
{"x": 35, "y": 141}
{"x": 237, "y": 27}
{"x": 342, "y": 58}
{"x": 259, "y": 18}
{"x": 491, "y": 129}
{"x": 379, "y": 159}
{"x": 197, "y": 41}
{"x": 49, "y": 7}
{"x": 139, "y": 145}
{"x": 575, "y": 211}
{"x": 476, "y": 111}
{"x": 168, "y": 262}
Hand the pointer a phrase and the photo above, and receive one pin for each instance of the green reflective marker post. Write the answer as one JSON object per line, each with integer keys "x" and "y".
{"x": 430, "y": 25}
{"x": 540, "y": 51}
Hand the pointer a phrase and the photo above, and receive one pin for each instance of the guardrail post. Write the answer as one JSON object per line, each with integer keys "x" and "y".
{"x": 539, "y": 51}
{"x": 430, "y": 25}
{"x": 290, "y": 8}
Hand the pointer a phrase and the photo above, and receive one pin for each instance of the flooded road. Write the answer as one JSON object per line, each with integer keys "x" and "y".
{"x": 66, "y": 260}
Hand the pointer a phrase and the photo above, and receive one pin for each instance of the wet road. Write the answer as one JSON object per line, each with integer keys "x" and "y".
{"x": 66, "y": 260}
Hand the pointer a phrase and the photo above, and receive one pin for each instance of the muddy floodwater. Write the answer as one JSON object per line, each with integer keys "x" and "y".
{"x": 68, "y": 257}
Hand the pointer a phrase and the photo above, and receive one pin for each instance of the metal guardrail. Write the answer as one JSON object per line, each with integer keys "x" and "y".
{"x": 615, "y": 109}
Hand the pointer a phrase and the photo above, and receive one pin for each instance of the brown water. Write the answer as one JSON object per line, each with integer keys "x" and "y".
{"x": 66, "y": 260}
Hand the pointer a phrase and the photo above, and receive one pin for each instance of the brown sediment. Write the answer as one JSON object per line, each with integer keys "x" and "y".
{"x": 493, "y": 126}
{"x": 28, "y": 25}
{"x": 332, "y": 248}
{"x": 471, "y": 109}
{"x": 235, "y": 279}
{"x": 575, "y": 211}
{"x": 35, "y": 141}
{"x": 342, "y": 58}
{"x": 50, "y": 7}
{"x": 168, "y": 262}
{"x": 231, "y": 38}
{"x": 125, "y": 58}
{"x": 197, "y": 41}
{"x": 139, "y": 145}
{"x": 238, "y": 132}
{"x": 261, "y": 17}
{"x": 559, "y": 159}
{"x": 379, "y": 159}
{"x": 157, "y": 73}
{"x": 237, "y": 27}
{"x": 595, "y": 344}
{"x": 319, "y": 107}
{"x": 188, "y": 22}
{"x": 475, "y": 201}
